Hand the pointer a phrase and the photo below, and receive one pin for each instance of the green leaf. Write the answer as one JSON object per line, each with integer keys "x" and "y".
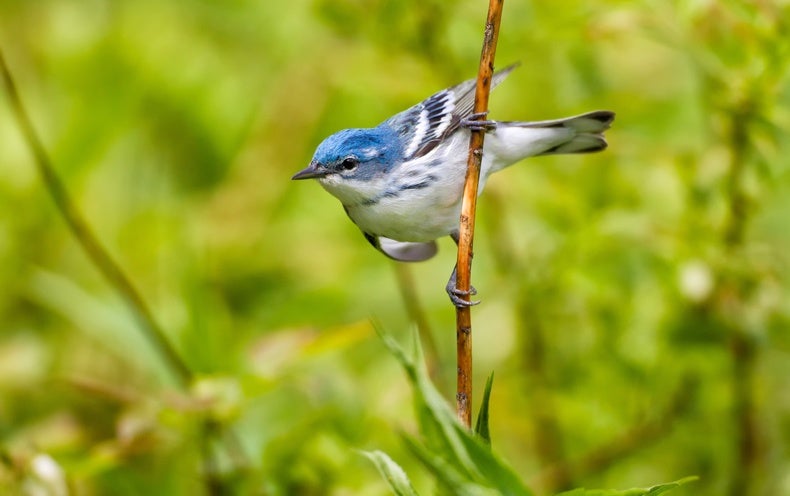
{"x": 436, "y": 420}
{"x": 497, "y": 473}
{"x": 450, "y": 480}
{"x": 481, "y": 426}
{"x": 392, "y": 472}
{"x": 650, "y": 491}
{"x": 460, "y": 460}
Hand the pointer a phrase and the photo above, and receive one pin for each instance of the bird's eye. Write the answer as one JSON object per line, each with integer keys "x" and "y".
{"x": 349, "y": 163}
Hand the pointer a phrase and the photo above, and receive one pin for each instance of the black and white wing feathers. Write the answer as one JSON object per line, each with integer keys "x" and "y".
{"x": 426, "y": 124}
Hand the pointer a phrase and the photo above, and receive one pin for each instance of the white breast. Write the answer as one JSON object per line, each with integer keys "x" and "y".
{"x": 422, "y": 214}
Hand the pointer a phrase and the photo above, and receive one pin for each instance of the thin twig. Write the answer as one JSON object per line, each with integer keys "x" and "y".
{"x": 463, "y": 315}
{"x": 87, "y": 239}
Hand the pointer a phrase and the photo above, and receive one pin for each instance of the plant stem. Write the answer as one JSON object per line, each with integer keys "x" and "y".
{"x": 463, "y": 315}
{"x": 87, "y": 239}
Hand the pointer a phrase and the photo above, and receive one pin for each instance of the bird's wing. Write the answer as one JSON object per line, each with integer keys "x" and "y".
{"x": 426, "y": 124}
{"x": 403, "y": 251}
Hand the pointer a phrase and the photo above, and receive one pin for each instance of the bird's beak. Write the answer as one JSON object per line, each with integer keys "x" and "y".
{"x": 312, "y": 171}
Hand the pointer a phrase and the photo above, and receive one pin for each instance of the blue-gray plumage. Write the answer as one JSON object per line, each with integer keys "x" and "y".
{"x": 402, "y": 181}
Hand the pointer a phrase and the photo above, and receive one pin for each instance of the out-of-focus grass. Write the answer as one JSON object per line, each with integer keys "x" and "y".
{"x": 606, "y": 279}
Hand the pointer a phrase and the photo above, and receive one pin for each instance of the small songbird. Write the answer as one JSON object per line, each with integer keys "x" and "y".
{"x": 402, "y": 181}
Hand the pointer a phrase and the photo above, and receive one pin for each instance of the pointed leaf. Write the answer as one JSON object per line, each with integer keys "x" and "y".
{"x": 497, "y": 473}
{"x": 392, "y": 472}
{"x": 450, "y": 450}
{"x": 481, "y": 426}
{"x": 650, "y": 491}
{"x": 438, "y": 423}
{"x": 449, "y": 480}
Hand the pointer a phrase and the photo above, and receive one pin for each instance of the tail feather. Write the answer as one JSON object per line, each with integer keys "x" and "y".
{"x": 581, "y": 143}
{"x": 513, "y": 141}
{"x": 588, "y": 129}
{"x": 597, "y": 121}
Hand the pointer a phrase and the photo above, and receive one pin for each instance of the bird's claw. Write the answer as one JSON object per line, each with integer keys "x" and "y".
{"x": 473, "y": 122}
{"x": 458, "y": 296}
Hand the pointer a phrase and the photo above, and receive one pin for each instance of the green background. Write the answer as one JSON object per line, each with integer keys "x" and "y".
{"x": 636, "y": 302}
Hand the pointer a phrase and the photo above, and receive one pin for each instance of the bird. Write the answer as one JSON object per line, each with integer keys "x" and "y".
{"x": 402, "y": 181}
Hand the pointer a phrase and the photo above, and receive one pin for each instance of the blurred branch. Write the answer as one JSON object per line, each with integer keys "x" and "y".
{"x": 417, "y": 315}
{"x": 87, "y": 239}
{"x": 748, "y": 458}
{"x": 737, "y": 203}
{"x": 467, "y": 221}
{"x": 743, "y": 350}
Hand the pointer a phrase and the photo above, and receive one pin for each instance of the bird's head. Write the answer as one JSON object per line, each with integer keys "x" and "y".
{"x": 353, "y": 164}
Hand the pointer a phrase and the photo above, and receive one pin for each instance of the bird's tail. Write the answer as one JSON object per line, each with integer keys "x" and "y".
{"x": 513, "y": 141}
{"x": 588, "y": 132}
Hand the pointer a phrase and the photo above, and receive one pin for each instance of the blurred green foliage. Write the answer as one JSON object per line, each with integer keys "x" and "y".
{"x": 635, "y": 302}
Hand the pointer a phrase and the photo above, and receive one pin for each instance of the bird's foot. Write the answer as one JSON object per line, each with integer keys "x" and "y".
{"x": 457, "y": 296}
{"x": 473, "y": 122}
